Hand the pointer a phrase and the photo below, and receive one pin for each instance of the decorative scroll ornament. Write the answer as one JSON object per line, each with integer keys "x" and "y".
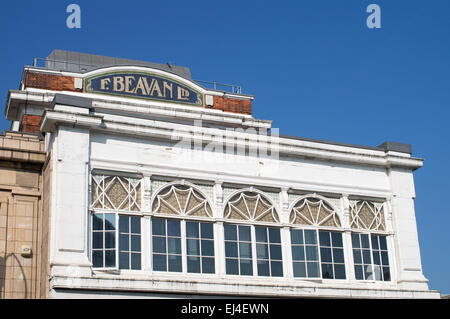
{"x": 251, "y": 206}
{"x": 314, "y": 211}
{"x": 181, "y": 200}
{"x": 116, "y": 193}
{"x": 367, "y": 215}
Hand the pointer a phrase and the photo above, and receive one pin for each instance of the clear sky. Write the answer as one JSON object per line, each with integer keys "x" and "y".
{"x": 314, "y": 68}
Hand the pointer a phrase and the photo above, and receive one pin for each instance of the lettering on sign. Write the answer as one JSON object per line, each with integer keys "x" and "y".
{"x": 143, "y": 85}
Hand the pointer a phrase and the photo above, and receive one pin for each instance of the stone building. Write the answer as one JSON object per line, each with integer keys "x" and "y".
{"x": 150, "y": 184}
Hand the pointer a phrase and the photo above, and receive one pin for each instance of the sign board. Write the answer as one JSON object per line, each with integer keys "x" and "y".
{"x": 143, "y": 85}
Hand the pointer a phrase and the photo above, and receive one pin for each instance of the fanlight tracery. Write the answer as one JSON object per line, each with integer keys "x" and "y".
{"x": 181, "y": 200}
{"x": 116, "y": 192}
{"x": 250, "y": 205}
{"x": 314, "y": 211}
{"x": 366, "y": 215}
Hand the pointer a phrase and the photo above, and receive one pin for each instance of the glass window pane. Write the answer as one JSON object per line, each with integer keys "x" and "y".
{"x": 336, "y": 239}
{"x": 124, "y": 261}
{"x": 159, "y": 244}
{"x": 357, "y": 256}
{"x": 359, "y": 273}
{"x": 311, "y": 253}
{"x": 110, "y": 221}
{"x": 124, "y": 242}
{"x": 325, "y": 255}
{"x": 97, "y": 221}
{"x": 232, "y": 267}
{"x": 97, "y": 258}
{"x": 384, "y": 258}
{"x": 207, "y": 248}
{"x": 275, "y": 252}
{"x": 124, "y": 225}
{"x": 110, "y": 239}
{"x": 174, "y": 263}
{"x": 230, "y": 232}
{"x": 261, "y": 234}
{"x": 383, "y": 244}
{"x": 208, "y": 266}
{"x": 263, "y": 268}
{"x": 377, "y": 271}
{"x": 338, "y": 255}
{"x": 97, "y": 240}
{"x": 386, "y": 274}
{"x": 327, "y": 271}
{"x": 110, "y": 258}
{"x": 313, "y": 269}
{"x": 277, "y": 268}
{"x": 366, "y": 256}
{"x": 192, "y": 229}
{"x": 193, "y": 264}
{"x": 158, "y": 226}
{"x": 365, "y": 241}
{"x": 135, "y": 261}
{"x": 136, "y": 243}
{"x": 274, "y": 235}
{"x": 193, "y": 247}
{"x": 174, "y": 245}
{"x": 310, "y": 237}
{"x": 245, "y": 250}
{"x": 207, "y": 230}
{"x": 262, "y": 251}
{"x": 299, "y": 269}
{"x": 173, "y": 228}
{"x": 339, "y": 272}
{"x": 159, "y": 262}
{"x": 135, "y": 225}
{"x": 298, "y": 253}
{"x": 376, "y": 258}
{"x": 355, "y": 241}
{"x": 324, "y": 238}
{"x": 368, "y": 273}
{"x": 246, "y": 267}
{"x": 296, "y": 236}
{"x": 374, "y": 239}
{"x": 244, "y": 233}
{"x": 231, "y": 249}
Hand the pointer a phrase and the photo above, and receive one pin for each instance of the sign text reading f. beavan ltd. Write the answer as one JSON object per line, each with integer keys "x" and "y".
{"x": 143, "y": 85}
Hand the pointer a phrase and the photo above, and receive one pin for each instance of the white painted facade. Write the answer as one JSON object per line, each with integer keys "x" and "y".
{"x": 129, "y": 136}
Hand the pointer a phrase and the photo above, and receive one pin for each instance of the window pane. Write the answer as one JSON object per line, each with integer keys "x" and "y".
{"x": 159, "y": 262}
{"x": 299, "y": 270}
{"x": 274, "y": 235}
{"x": 365, "y": 241}
{"x": 355, "y": 241}
{"x": 377, "y": 271}
{"x": 275, "y": 252}
{"x": 136, "y": 243}
{"x": 193, "y": 247}
{"x": 338, "y": 255}
{"x": 366, "y": 256}
{"x": 339, "y": 271}
{"x": 207, "y": 248}
{"x": 230, "y": 232}
{"x": 158, "y": 226}
{"x": 192, "y": 230}
{"x": 232, "y": 267}
{"x": 207, "y": 230}
{"x": 97, "y": 240}
{"x": 174, "y": 245}
{"x": 245, "y": 250}
{"x": 359, "y": 272}
{"x": 368, "y": 273}
{"x": 174, "y": 263}
{"x": 374, "y": 242}
{"x": 298, "y": 253}
{"x": 325, "y": 255}
{"x": 231, "y": 249}
{"x": 384, "y": 258}
{"x": 327, "y": 271}
{"x": 277, "y": 268}
{"x": 159, "y": 244}
{"x": 110, "y": 258}
{"x": 296, "y": 236}
{"x": 324, "y": 238}
{"x": 336, "y": 239}
{"x": 386, "y": 274}
{"x": 97, "y": 258}
{"x": 135, "y": 261}
{"x": 124, "y": 225}
{"x": 124, "y": 242}
{"x": 310, "y": 237}
{"x": 357, "y": 256}
{"x": 376, "y": 258}
{"x": 173, "y": 228}
{"x": 261, "y": 234}
{"x": 313, "y": 269}
{"x": 124, "y": 261}
{"x": 311, "y": 253}
{"x": 262, "y": 251}
{"x": 263, "y": 268}
{"x": 97, "y": 222}
{"x": 208, "y": 266}
{"x": 244, "y": 233}
{"x": 246, "y": 267}
{"x": 110, "y": 239}
{"x": 383, "y": 244}
{"x": 193, "y": 264}
{"x": 110, "y": 222}
{"x": 135, "y": 225}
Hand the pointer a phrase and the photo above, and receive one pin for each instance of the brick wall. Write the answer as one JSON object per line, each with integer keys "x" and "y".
{"x": 49, "y": 82}
{"x": 232, "y": 105}
{"x": 30, "y": 123}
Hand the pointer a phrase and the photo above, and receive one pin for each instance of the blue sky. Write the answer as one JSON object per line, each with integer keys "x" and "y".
{"x": 314, "y": 68}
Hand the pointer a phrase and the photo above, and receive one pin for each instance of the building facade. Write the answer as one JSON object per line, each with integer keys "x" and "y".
{"x": 156, "y": 186}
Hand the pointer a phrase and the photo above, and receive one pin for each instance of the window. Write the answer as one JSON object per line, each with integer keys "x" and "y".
{"x": 129, "y": 242}
{"x": 166, "y": 243}
{"x": 200, "y": 247}
{"x": 331, "y": 255}
{"x": 104, "y": 240}
{"x": 238, "y": 250}
{"x": 370, "y": 257}
{"x": 305, "y": 255}
{"x": 268, "y": 251}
